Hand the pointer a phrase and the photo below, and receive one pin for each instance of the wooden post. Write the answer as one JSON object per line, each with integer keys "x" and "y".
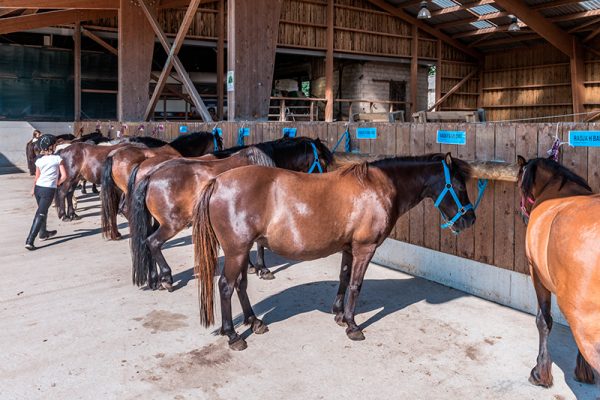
{"x": 252, "y": 29}
{"x": 136, "y": 48}
{"x": 329, "y": 62}
{"x": 282, "y": 110}
{"x": 414, "y": 68}
{"x": 220, "y": 59}
{"x": 577, "y": 79}
{"x": 438, "y": 71}
{"x": 77, "y": 71}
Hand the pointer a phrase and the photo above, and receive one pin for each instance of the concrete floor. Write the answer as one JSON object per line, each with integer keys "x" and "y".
{"x": 73, "y": 327}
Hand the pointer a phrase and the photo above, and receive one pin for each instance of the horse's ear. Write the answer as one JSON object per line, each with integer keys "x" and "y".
{"x": 521, "y": 161}
{"x": 318, "y": 140}
{"x": 448, "y": 159}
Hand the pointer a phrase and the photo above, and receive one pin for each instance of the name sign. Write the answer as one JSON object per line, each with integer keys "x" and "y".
{"x": 451, "y": 137}
{"x": 290, "y": 132}
{"x": 183, "y": 129}
{"x": 584, "y": 138}
{"x": 245, "y": 132}
{"x": 366, "y": 133}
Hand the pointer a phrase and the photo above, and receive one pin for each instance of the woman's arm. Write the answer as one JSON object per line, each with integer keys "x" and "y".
{"x": 37, "y": 175}
{"x": 63, "y": 174}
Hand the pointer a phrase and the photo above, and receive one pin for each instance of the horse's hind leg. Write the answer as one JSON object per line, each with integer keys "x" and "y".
{"x": 360, "y": 261}
{"x": 338, "y": 304}
{"x": 583, "y": 371}
{"x": 70, "y": 208}
{"x": 261, "y": 270}
{"x": 227, "y": 283}
{"x": 155, "y": 242}
{"x": 541, "y": 374}
{"x": 95, "y": 189}
{"x": 83, "y": 189}
{"x": 250, "y": 318}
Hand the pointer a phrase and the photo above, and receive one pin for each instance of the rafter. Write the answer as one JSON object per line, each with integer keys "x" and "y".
{"x": 592, "y": 35}
{"x": 512, "y": 39}
{"x": 574, "y": 16}
{"x": 424, "y": 27}
{"x": 53, "y": 4}
{"x": 6, "y": 11}
{"x": 465, "y": 21}
{"x": 26, "y": 22}
{"x": 449, "y": 10}
{"x": 580, "y": 27}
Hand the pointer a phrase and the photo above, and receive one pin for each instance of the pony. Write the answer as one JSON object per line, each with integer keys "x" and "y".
{"x": 562, "y": 250}
{"x": 169, "y": 192}
{"x": 120, "y": 162}
{"x": 305, "y": 217}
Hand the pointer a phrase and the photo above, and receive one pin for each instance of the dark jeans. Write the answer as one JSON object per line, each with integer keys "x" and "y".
{"x": 44, "y": 197}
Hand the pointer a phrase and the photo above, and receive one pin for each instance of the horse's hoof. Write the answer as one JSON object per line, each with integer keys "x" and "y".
{"x": 96, "y": 191}
{"x": 259, "y": 327}
{"x": 66, "y": 219}
{"x": 83, "y": 191}
{"x": 251, "y": 269}
{"x": 355, "y": 335}
{"x": 537, "y": 380}
{"x": 339, "y": 319}
{"x": 75, "y": 217}
{"x": 583, "y": 371}
{"x": 267, "y": 275}
{"x": 168, "y": 286}
{"x": 238, "y": 344}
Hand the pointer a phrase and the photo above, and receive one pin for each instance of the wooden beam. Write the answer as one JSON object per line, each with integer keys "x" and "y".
{"x": 552, "y": 33}
{"x": 220, "y": 60}
{"x": 486, "y": 31}
{"x": 100, "y": 41}
{"x": 575, "y": 16}
{"x": 438, "y": 71}
{"x": 53, "y": 4}
{"x": 188, "y": 18}
{"x": 425, "y": 27}
{"x": 592, "y": 35}
{"x": 329, "y": 62}
{"x": 414, "y": 69}
{"x": 6, "y": 11}
{"x": 181, "y": 3}
{"x": 26, "y": 22}
{"x": 580, "y": 27}
{"x": 577, "y": 79}
{"x": 454, "y": 89}
{"x": 512, "y": 39}
{"x": 187, "y": 82}
{"x": 77, "y": 71}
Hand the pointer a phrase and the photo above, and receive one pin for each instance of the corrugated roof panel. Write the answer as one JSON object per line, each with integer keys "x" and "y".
{"x": 482, "y": 24}
{"x": 590, "y": 4}
{"x": 484, "y": 9}
{"x": 445, "y": 3}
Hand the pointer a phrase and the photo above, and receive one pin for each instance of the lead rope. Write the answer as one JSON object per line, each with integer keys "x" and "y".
{"x": 347, "y": 144}
{"x": 215, "y": 132}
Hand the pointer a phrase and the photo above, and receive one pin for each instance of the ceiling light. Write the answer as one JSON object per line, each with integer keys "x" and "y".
{"x": 514, "y": 25}
{"x": 424, "y": 12}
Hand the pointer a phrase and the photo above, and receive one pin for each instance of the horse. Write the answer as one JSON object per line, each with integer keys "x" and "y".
{"x": 305, "y": 217}
{"x": 121, "y": 161}
{"x": 169, "y": 192}
{"x": 562, "y": 250}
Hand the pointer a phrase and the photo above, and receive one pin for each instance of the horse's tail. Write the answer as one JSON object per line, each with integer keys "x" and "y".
{"x": 206, "y": 247}
{"x": 130, "y": 189}
{"x": 109, "y": 197}
{"x": 140, "y": 229}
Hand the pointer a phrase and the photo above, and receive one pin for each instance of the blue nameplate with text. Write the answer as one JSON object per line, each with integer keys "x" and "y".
{"x": 584, "y": 138}
{"x": 366, "y": 133}
{"x": 451, "y": 137}
{"x": 290, "y": 132}
{"x": 183, "y": 129}
{"x": 245, "y": 132}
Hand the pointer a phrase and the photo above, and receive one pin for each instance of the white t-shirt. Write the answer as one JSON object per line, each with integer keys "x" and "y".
{"x": 49, "y": 170}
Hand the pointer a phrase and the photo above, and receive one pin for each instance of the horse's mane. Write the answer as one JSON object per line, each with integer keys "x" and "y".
{"x": 257, "y": 157}
{"x": 184, "y": 141}
{"x": 148, "y": 141}
{"x": 556, "y": 169}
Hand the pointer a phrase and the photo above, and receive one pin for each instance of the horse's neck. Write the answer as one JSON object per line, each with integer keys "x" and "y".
{"x": 410, "y": 183}
{"x": 553, "y": 191}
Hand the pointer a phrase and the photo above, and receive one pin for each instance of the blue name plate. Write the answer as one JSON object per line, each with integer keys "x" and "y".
{"x": 366, "y": 133}
{"x": 183, "y": 129}
{"x": 245, "y": 131}
{"x": 218, "y": 130}
{"x": 291, "y": 132}
{"x": 584, "y": 138}
{"x": 451, "y": 137}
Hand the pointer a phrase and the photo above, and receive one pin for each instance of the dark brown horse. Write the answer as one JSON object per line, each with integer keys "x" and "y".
{"x": 563, "y": 252}
{"x": 306, "y": 217}
{"x": 120, "y": 162}
{"x": 170, "y": 191}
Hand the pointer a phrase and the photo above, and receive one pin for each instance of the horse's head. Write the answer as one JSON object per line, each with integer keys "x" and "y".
{"x": 300, "y": 153}
{"x": 449, "y": 192}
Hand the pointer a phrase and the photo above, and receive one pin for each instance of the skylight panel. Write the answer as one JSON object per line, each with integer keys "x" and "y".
{"x": 484, "y": 9}
{"x": 590, "y": 5}
{"x": 482, "y": 24}
{"x": 445, "y": 3}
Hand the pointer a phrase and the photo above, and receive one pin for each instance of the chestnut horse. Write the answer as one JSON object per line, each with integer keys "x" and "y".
{"x": 120, "y": 162}
{"x": 305, "y": 217}
{"x": 562, "y": 249}
{"x": 169, "y": 192}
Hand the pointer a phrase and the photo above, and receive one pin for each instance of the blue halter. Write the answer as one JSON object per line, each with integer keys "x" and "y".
{"x": 316, "y": 163}
{"x": 215, "y": 132}
{"x": 462, "y": 210}
{"x": 347, "y": 147}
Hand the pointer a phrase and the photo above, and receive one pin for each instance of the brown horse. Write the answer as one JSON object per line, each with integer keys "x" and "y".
{"x": 170, "y": 191}
{"x": 564, "y": 258}
{"x": 120, "y": 162}
{"x": 305, "y": 217}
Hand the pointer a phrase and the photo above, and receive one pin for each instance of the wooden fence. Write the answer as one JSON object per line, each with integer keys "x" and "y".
{"x": 498, "y": 236}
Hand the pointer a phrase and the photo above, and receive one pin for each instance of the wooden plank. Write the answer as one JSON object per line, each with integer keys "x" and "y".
{"x": 447, "y": 238}
{"x": 577, "y": 78}
{"x": 414, "y": 68}
{"x": 53, "y": 4}
{"x": 453, "y": 89}
{"x": 403, "y": 140}
{"x": 546, "y": 134}
{"x": 465, "y": 241}
{"x": 136, "y": 48}
{"x": 574, "y": 158}
{"x": 438, "y": 71}
{"x": 221, "y": 60}
{"x": 77, "y": 71}
{"x": 526, "y": 146}
{"x": 50, "y": 18}
{"x": 417, "y": 147}
{"x": 484, "y": 227}
{"x": 594, "y": 163}
{"x": 329, "y": 62}
{"x": 504, "y": 201}
{"x": 431, "y": 216}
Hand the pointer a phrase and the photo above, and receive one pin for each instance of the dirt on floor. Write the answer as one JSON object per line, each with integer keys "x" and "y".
{"x": 74, "y": 327}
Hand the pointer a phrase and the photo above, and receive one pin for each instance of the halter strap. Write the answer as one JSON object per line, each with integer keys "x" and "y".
{"x": 240, "y": 141}
{"x": 215, "y": 132}
{"x": 347, "y": 147}
{"x": 316, "y": 163}
{"x": 524, "y": 200}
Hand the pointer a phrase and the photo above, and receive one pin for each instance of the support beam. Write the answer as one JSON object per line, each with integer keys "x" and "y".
{"x": 592, "y": 35}
{"x": 454, "y": 89}
{"x": 414, "y": 69}
{"x": 577, "y": 79}
{"x": 187, "y": 82}
{"x": 189, "y": 16}
{"x": 26, "y": 22}
{"x": 136, "y": 48}
{"x": 552, "y": 33}
{"x": 329, "y": 97}
{"x": 220, "y": 60}
{"x": 77, "y": 71}
{"x": 438, "y": 71}
{"x": 53, "y": 4}
{"x": 253, "y": 27}
{"x": 424, "y": 27}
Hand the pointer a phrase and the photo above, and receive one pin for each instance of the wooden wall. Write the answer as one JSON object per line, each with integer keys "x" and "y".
{"x": 454, "y": 67}
{"x": 498, "y": 237}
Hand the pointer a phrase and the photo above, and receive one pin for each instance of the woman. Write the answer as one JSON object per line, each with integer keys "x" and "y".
{"x": 49, "y": 173}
